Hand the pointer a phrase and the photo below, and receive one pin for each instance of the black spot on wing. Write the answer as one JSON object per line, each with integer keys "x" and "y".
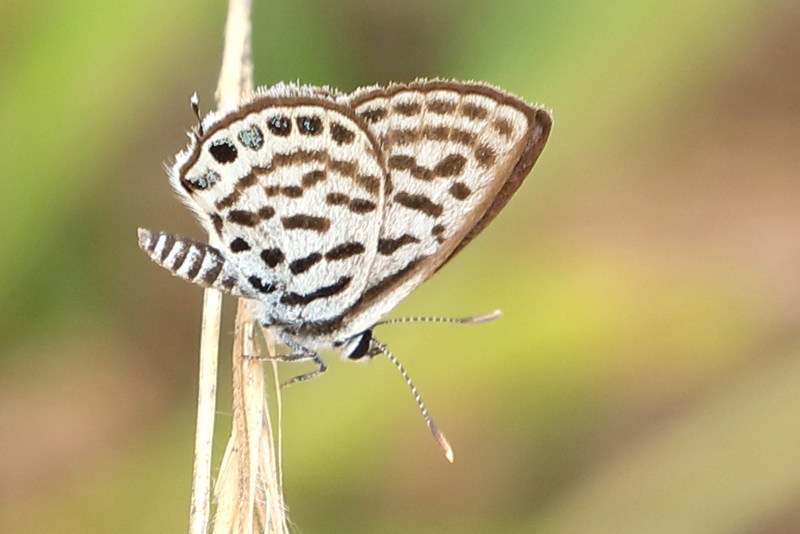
{"x": 419, "y": 203}
{"x": 407, "y": 108}
{"x": 474, "y": 111}
{"x": 223, "y": 151}
{"x": 201, "y": 182}
{"x": 272, "y": 256}
{"x": 460, "y": 190}
{"x": 438, "y": 233}
{"x": 343, "y": 167}
{"x": 341, "y": 134}
{"x": 252, "y": 137}
{"x": 503, "y": 127}
{"x": 374, "y": 115}
{"x": 280, "y": 125}
{"x": 452, "y": 165}
{"x": 292, "y": 191}
{"x": 301, "y": 265}
{"x": 409, "y": 163}
{"x": 345, "y": 250}
{"x": 259, "y": 285}
{"x": 370, "y": 184}
{"x": 337, "y": 199}
{"x": 295, "y": 299}
{"x": 361, "y": 206}
{"x": 250, "y": 218}
{"x": 402, "y": 137}
{"x": 245, "y": 218}
{"x": 441, "y": 107}
{"x": 306, "y": 222}
{"x": 485, "y": 156}
{"x": 312, "y": 178}
{"x": 388, "y": 246}
{"x": 309, "y": 125}
{"x": 239, "y": 245}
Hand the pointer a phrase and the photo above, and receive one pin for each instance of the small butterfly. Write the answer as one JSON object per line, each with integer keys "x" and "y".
{"x": 330, "y": 208}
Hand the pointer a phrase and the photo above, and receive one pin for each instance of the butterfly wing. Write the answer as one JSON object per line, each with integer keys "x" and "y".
{"x": 291, "y": 185}
{"x": 456, "y": 153}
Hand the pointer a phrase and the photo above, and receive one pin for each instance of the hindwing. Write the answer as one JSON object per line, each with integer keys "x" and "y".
{"x": 293, "y": 188}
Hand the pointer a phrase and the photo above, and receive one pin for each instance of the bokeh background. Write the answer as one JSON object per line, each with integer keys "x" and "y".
{"x": 644, "y": 379}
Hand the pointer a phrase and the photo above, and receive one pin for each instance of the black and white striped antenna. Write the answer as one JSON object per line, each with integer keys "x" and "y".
{"x": 195, "y": 101}
{"x": 378, "y": 347}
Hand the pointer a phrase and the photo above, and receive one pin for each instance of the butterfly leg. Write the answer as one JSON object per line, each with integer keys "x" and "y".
{"x": 300, "y": 356}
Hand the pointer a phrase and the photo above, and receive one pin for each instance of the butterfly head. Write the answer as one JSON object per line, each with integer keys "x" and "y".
{"x": 357, "y": 347}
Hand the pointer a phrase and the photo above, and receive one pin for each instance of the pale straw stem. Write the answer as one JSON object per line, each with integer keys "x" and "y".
{"x": 235, "y": 79}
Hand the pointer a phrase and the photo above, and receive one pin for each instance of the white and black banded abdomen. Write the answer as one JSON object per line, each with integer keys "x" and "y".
{"x": 191, "y": 260}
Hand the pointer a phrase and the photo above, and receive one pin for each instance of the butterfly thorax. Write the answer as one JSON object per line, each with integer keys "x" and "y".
{"x": 312, "y": 337}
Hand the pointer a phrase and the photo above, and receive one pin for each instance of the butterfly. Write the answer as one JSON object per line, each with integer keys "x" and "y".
{"x": 327, "y": 209}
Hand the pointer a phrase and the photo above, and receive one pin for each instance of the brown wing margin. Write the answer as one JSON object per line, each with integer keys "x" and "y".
{"x": 539, "y": 131}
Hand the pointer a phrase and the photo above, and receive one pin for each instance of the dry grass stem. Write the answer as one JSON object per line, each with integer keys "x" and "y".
{"x": 206, "y": 406}
{"x": 236, "y": 73}
{"x": 248, "y": 492}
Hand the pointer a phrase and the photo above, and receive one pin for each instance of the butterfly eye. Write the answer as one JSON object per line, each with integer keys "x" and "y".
{"x": 361, "y": 348}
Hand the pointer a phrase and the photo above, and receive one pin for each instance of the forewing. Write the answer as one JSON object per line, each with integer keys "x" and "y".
{"x": 292, "y": 186}
{"x": 456, "y": 153}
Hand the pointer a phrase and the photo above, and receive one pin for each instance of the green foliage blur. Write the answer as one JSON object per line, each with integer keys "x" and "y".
{"x": 644, "y": 378}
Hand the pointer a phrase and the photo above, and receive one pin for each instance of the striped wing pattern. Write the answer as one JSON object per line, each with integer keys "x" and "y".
{"x": 455, "y": 154}
{"x": 293, "y": 189}
{"x": 329, "y": 209}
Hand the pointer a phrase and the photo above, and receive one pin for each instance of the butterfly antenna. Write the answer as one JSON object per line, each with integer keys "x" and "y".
{"x": 195, "y": 101}
{"x": 471, "y": 319}
{"x": 438, "y": 434}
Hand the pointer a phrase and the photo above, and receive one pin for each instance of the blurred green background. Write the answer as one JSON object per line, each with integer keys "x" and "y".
{"x": 645, "y": 377}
